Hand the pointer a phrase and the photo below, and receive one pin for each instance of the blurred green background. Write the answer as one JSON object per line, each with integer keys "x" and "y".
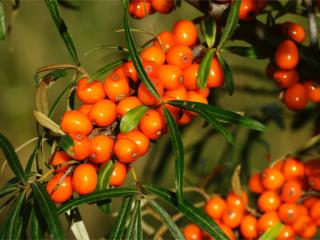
{"x": 34, "y": 42}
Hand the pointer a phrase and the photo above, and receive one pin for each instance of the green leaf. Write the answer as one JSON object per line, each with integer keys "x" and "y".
{"x": 32, "y": 158}
{"x": 53, "y": 8}
{"x": 66, "y": 143}
{"x": 272, "y": 232}
{"x": 248, "y": 52}
{"x": 48, "y": 210}
{"x": 8, "y": 188}
{"x": 220, "y": 114}
{"x": 103, "y": 70}
{"x": 97, "y": 197}
{"x": 12, "y": 158}
{"x": 137, "y": 229}
{"x": 166, "y": 218}
{"x": 197, "y": 216}
{"x": 134, "y": 53}
{"x": 210, "y": 30}
{"x": 131, "y": 224}
{"x": 228, "y": 76}
{"x": 204, "y": 69}
{"x": 3, "y": 28}
{"x": 231, "y": 23}
{"x": 120, "y": 224}
{"x": 14, "y": 216}
{"x": 103, "y": 183}
{"x": 177, "y": 144}
{"x": 36, "y": 232}
{"x": 132, "y": 118}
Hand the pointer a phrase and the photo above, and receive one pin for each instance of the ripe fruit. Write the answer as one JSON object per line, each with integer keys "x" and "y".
{"x": 162, "y": 6}
{"x": 170, "y": 76}
{"x": 289, "y": 213}
{"x": 139, "y": 9}
{"x": 74, "y": 121}
{"x": 116, "y": 87}
{"x": 186, "y": 32}
{"x": 139, "y": 138}
{"x": 215, "y": 207}
{"x": 286, "y": 78}
{"x": 58, "y": 158}
{"x": 146, "y": 97}
{"x": 118, "y": 175}
{"x": 313, "y": 90}
{"x": 247, "y": 10}
{"x": 293, "y": 169}
{"x": 166, "y": 40}
{"x": 126, "y": 150}
{"x": 85, "y": 108}
{"x": 227, "y": 230}
{"x": 178, "y": 94}
{"x": 84, "y": 179}
{"x": 315, "y": 212}
{"x": 272, "y": 179}
{"x": 269, "y": 201}
{"x": 295, "y": 97}
{"x": 152, "y": 124}
{"x": 60, "y": 188}
{"x": 255, "y": 184}
{"x": 126, "y": 104}
{"x": 90, "y": 92}
{"x": 295, "y": 31}
{"x": 151, "y": 68}
{"x": 101, "y": 148}
{"x": 286, "y": 233}
{"x": 248, "y": 227}
{"x": 291, "y": 191}
{"x": 304, "y": 227}
{"x": 103, "y": 113}
{"x": 192, "y": 232}
{"x": 232, "y": 217}
{"x": 190, "y": 77}
{"x": 180, "y": 56}
{"x": 154, "y": 54}
{"x": 81, "y": 148}
{"x": 235, "y": 201}
{"x": 216, "y": 77}
{"x": 267, "y": 220}
{"x": 130, "y": 71}
{"x": 287, "y": 55}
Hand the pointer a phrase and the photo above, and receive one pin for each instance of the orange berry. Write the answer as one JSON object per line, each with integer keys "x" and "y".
{"x": 215, "y": 207}
{"x": 315, "y": 212}
{"x": 152, "y": 124}
{"x": 247, "y": 10}
{"x": 291, "y": 191}
{"x": 139, "y": 138}
{"x": 293, "y": 169}
{"x": 295, "y": 31}
{"x": 311, "y": 166}
{"x": 81, "y": 148}
{"x": 118, "y": 175}
{"x": 309, "y": 201}
{"x": 302, "y": 210}
{"x": 59, "y": 158}
{"x": 180, "y": 56}
{"x": 205, "y": 92}
{"x": 295, "y": 97}
{"x": 130, "y": 71}
{"x": 272, "y": 179}
{"x": 185, "y": 118}
{"x": 186, "y": 32}
{"x": 267, "y": 220}
{"x": 151, "y": 68}
{"x": 74, "y": 121}
{"x": 289, "y": 213}
{"x": 248, "y": 227}
{"x": 232, "y": 217}
{"x": 85, "y": 108}
{"x": 116, "y": 87}
{"x": 59, "y": 188}
{"x": 126, "y": 150}
{"x": 180, "y": 93}
{"x": 216, "y": 76}
{"x": 126, "y": 104}
{"x": 103, "y": 113}
{"x": 101, "y": 148}
{"x": 286, "y": 233}
{"x": 235, "y": 201}
{"x": 314, "y": 181}
{"x": 269, "y": 201}
{"x": 192, "y": 232}
{"x": 286, "y": 78}
{"x": 190, "y": 77}
{"x": 313, "y": 90}
{"x": 227, "y": 230}
{"x": 287, "y": 55}
{"x": 175, "y": 111}
{"x": 90, "y": 92}
{"x": 278, "y": 165}
{"x": 170, "y": 76}
{"x": 84, "y": 179}
{"x": 154, "y": 54}
{"x": 304, "y": 227}
{"x": 162, "y": 6}
{"x": 255, "y": 184}
{"x": 166, "y": 40}
{"x": 139, "y": 8}
{"x": 146, "y": 97}
{"x": 193, "y": 96}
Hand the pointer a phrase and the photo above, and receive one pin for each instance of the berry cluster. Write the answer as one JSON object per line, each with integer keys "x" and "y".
{"x": 249, "y": 9}
{"x": 283, "y": 71}
{"x": 286, "y": 193}
{"x": 141, "y": 8}
{"x": 94, "y": 125}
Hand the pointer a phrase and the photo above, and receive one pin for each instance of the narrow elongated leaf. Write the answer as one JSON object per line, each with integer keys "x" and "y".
{"x": 120, "y": 224}
{"x": 220, "y": 114}
{"x": 177, "y": 145}
{"x": 3, "y": 28}
{"x": 103, "y": 70}
{"x": 204, "y": 69}
{"x": 166, "y": 218}
{"x": 103, "y": 183}
{"x": 132, "y": 118}
{"x": 14, "y": 216}
{"x": 53, "y": 8}
{"x": 231, "y": 23}
{"x": 248, "y": 52}
{"x": 36, "y": 232}
{"x": 272, "y": 232}
{"x": 194, "y": 214}
{"x": 8, "y": 188}
{"x": 137, "y": 229}
{"x": 47, "y": 122}
{"x": 131, "y": 224}
{"x": 32, "y": 158}
{"x": 228, "y": 75}
{"x": 66, "y": 143}
{"x": 97, "y": 197}
{"x": 48, "y": 210}
{"x": 12, "y": 158}
{"x": 134, "y": 53}
{"x": 210, "y": 30}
